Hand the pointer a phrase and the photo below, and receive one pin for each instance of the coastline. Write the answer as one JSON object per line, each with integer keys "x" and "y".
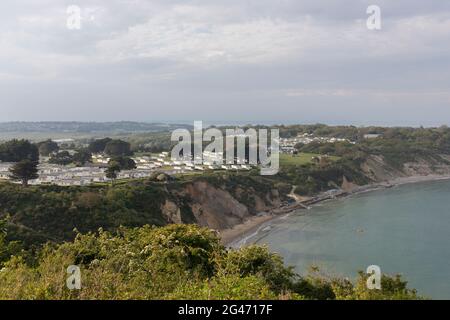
{"x": 236, "y": 236}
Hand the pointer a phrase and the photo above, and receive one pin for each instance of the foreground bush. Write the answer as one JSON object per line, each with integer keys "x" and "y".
{"x": 173, "y": 262}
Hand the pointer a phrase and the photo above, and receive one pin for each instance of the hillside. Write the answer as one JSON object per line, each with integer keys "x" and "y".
{"x": 218, "y": 200}
{"x": 174, "y": 262}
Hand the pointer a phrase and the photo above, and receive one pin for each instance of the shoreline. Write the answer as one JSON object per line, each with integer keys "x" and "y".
{"x": 237, "y": 236}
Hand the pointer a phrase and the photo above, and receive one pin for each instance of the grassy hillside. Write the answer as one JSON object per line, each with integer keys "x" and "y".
{"x": 303, "y": 158}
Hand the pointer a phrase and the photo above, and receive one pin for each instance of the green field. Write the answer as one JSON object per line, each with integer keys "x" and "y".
{"x": 300, "y": 159}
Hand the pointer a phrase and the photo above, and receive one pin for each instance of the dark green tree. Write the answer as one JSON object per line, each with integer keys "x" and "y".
{"x": 24, "y": 171}
{"x": 17, "y": 150}
{"x": 47, "y": 147}
{"x": 117, "y": 148}
{"x": 82, "y": 157}
{"x": 62, "y": 158}
{"x": 98, "y": 145}
{"x": 112, "y": 171}
{"x": 125, "y": 163}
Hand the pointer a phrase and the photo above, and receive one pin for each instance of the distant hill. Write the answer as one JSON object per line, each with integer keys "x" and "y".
{"x": 87, "y": 127}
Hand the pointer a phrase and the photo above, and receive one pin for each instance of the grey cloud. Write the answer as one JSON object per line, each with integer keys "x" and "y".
{"x": 228, "y": 60}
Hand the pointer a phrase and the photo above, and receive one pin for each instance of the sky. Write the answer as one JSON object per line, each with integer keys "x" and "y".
{"x": 226, "y": 61}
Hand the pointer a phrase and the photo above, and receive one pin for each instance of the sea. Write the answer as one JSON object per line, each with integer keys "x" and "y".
{"x": 403, "y": 230}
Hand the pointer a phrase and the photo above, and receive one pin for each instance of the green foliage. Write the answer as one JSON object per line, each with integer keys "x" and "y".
{"x": 43, "y": 213}
{"x": 113, "y": 169}
{"x": 173, "y": 262}
{"x": 62, "y": 158}
{"x": 224, "y": 287}
{"x": 311, "y": 179}
{"x": 81, "y": 157}
{"x": 98, "y": 145}
{"x": 47, "y": 147}
{"x": 125, "y": 163}
{"x": 339, "y": 149}
{"x": 396, "y": 145}
{"x": 24, "y": 171}
{"x": 392, "y": 288}
{"x": 257, "y": 260}
{"x": 300, "y": 159}
{"x": 18, "y": 150}
{"x": 7, "y": 248}
{"x": 118, "y": 148}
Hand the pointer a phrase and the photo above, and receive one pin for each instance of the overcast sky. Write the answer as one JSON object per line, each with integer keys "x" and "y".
{"x": 282, "y": 61}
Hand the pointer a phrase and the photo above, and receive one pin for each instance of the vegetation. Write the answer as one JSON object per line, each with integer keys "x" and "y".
{"x": 112, "y": 147}
{"x": 64, "y": 158}
{"x": 47, "y": 147}
{"x": 24, "y": 171}
{"x": 173, "y": 262}
{"x": 98, "y": 145}
{"x": 396, "y": 145}
{"x": 112, "y": 170}
{"x": 124, "y": 163}
{"x": 51, "y": 213}
{"x": 18, "y": 150}
{"x": 300, "y": 159}
{"x": 118, "y": 148}
{"x": 82, "y": 157}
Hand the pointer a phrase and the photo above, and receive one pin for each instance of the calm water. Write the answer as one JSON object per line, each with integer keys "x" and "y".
{"x": 404, "y": 230}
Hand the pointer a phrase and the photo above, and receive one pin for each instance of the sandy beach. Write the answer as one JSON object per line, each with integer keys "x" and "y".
{"x": 232, "y": 237}
{"x": 229, "y": 236}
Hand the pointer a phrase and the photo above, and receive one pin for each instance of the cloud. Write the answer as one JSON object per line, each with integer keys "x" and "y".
{"x": 279, "y": 55}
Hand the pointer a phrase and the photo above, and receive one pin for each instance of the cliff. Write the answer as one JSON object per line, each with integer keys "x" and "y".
{"x": 221, "y": 206}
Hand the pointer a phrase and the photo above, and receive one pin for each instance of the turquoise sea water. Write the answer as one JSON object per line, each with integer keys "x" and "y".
{"x": 404, "y": 230}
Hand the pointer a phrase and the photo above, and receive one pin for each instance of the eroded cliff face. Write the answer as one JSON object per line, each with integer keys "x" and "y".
{"x": 171, "y": 211}
{"x": 218, "y": 207}
{"x": 424, "y": 167}
{"x": 378, "y": 170}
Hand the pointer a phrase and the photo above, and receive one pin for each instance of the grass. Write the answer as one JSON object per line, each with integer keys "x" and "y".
{"x": 300, "y": 159}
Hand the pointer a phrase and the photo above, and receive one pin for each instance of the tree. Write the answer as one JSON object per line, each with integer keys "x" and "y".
{"x": 47, "y": 147}
{"x": 98, "y": 146}
{"x": 62, "y": 158}
{"x": 24, "y": 171}
{"x": 125, "y": 163}
{"x": 17, "y": 150}
{"x": 117, "y": 148}
{"x": 112, "y": 171}
{"x": 82, "y": 157}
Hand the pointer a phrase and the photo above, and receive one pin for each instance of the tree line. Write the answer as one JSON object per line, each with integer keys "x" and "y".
{"x": 25, "y": 156}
